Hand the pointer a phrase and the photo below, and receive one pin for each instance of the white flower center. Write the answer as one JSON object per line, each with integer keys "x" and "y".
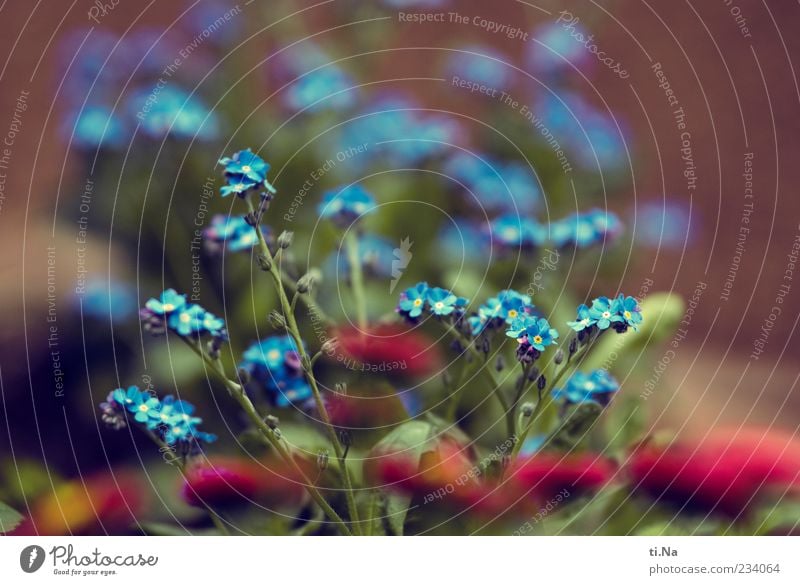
{"x": 606, "y": 314}
{"x": 247, "y": 168}
{"x": 274, "y": 355}
{"x": 439, "y": 305}
{"x": 168, "y": 307}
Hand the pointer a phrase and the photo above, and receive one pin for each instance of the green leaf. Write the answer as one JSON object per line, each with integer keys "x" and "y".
{"x": 9, "y": 518}
{"x": 776, "y": 517}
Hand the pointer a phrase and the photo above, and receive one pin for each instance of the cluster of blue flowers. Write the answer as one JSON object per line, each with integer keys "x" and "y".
{"x": 496, "y": 185}
{"x": 171, "y": 419}
{"x": 233, "y": 233}
{"x": 245, "y": 171}
{"x": 514, "y": 232}
{"x": 172, "y": 311}
{"x": 506, "y": 308}
{"x": 328, "y": 88}
{"x": 533, "y": 333}
{"x": 274, "y": 363}
{"x": 620, "y": 313}
{"x": 344, "y": 205}
{"x": 598, "y": 386}
{"x": 585, "y": 229}
{"x": 420, "y": 297}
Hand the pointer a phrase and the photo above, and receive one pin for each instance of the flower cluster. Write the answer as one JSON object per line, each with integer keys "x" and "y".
{"x": 512, "y": 231}
{"x": 534, "y": 334}
{"x": 421, "y": 297}
{"x": 170, "y": 419}
{"x": 496, "y": 185}
{"x": 274, "y": 363}
{"x": 232, "y": 233}
{"x": 585, "y": 229}
{"x": 245, "y": 171}
{"x": 344, "y": 205}
{"x": 620, "y": 313}
{"x": 598, "y": 386}
{"x": 329, "y": 88}
{"x": 172, "y": 311}
{"x": 506, "y": 307}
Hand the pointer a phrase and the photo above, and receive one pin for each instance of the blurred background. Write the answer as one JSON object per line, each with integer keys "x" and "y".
{"x": 680, "y": 119}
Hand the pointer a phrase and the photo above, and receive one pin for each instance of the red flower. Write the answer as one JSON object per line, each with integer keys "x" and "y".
{"x": 545, "y": 475}
{"x": 229, "y": 482}
{"x": 100, "y": 504}
{"x": 387, "y": 348}
{"x": 725, "y": 474}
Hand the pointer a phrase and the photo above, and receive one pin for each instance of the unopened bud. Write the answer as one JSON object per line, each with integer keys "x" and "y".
{"x": 285, "y": 239}
{"x": 244, "y": 375}
{"x": 559, "y": 357}
{"x": 277, "y": 320}
{"x": 541, "y": 382}
{"x": 527, "y": 409}
{"x": 264, "y": 262}
{"x": 573, "y": 346}
{"x": 250, "y": 219}
{"x": 322, "y": 459}
{"x": 500, "y": 364}
{"x": 272, "y": 421}
{"x": 305, "y": 283}
{"x": 345, "y": 438}
{"x": 533, "y": 374}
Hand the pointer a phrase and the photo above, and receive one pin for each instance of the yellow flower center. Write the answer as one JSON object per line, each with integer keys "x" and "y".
{"x": 169, "y": 307}
{"x": 512, "y": 313}
{"x": 247, "y": 168}
{"x": 537, "y": 339}
{"x": 417, "y": 302}
{"x": 627, "y": 314}
{"x": 144, "y": 407}
{"x": 185, "y": 318}
{"x": 240, "y": 186}
{"x": 274, "y": 355}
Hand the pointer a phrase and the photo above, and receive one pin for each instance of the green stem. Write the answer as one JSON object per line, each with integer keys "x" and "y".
{"x": 356, "y": 278}
{"x": 268, "y": 434}
{"x": 294, "y": 331}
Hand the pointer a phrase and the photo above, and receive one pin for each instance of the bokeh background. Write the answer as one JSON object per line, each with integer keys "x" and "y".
{"x": 732, "y": 68}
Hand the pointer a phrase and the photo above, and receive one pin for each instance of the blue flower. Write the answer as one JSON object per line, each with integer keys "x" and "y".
{"x": 512, "y": 231}
{"x": 273, "y": 353}
{"x": 601, "y": 312}
{"x": 506, "y": 307}
{"x": 561, "y": 49}
{"x": 487, "y": 315}
{"x": 585, "y": 229}
{"x": 274, "y": 363}
{"x": 233, "y": 232}
{"x": 187, "y": 320}
{"x": 291, "y": 391}
{"x": 329, "y": 88}
{"x": 127, "y": 397}
{"x": 412, "y": 300}
{"x": 97, "y": 126}
{"x": 145, "y": 408}
{"x": 533, "y": 331}
{"x": 584, "y": 320}
{"x": 172, "y": 110}
{"x": 442, "y": 302}
{"x": 482, "y": 65}
{"x": 237, "y": 185}
{"x": 168, "y": 302}
{"x": 598, "y": 386}
{"x": 346, "y": 204}
{"x": 247, "y": 165}
{"x": 626, "y": 313}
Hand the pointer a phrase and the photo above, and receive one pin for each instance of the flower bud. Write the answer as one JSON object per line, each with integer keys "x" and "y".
{"x": 527, "y": 409}
{"x": 573, "y": 346}
{"x": 277, "y": 320}
{"x": 322, "y": 459}
{"x": 345, "y": 437}
{"x": 272, "y": 421}
{"x": 533, "y": 374}
{"x": 244, "y": 375}
{"x": 305, "y": 283}
{"x": 559, "y": 357}
{"x": 264, "y": 262}
{"x": 500, "y": 364}
{"x": 541, "y": 382}
{"x": 285, "y": 239}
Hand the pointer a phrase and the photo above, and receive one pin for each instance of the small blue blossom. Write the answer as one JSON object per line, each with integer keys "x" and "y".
{"x": 292, "y": 391}
{"x": 173, "y": 111}
{"x": 601, "y": 312}
{"x": 329, "y": 88}
{"x": 482, "y": 65}
{"x": 247, "y": 165}
{"x": 532, "y": 331}
{"x": 187, "y": 320}
{"x": 237, "y": 185}
{"x": 345, "y": 205}
{"x": 412, "y": 300}
{"x": 145, "y": 408}
{"x": 584, "y": 320}
{"x": 585, "y": 229}
{"x": 97, "y": 126}
{"x": 441, "y": 302}
{"x": 506, "y": 307}
{"x": 494, "y": 184}
{"x": 626, "y": 313}
{"x": 598, "y": 386}
{"x": 233, "y": 233}
{"x": 274, "y": 364}
{"x": 168, "y": 302}
{"x": 127, "y": 397}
